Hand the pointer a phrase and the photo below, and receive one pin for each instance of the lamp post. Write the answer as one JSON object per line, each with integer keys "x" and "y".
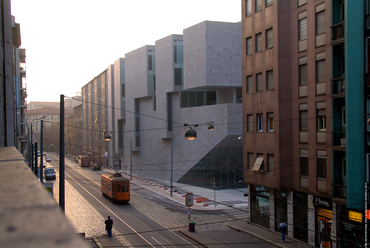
{"x": 107, "y": 137}
{"x": 30, "y": 144}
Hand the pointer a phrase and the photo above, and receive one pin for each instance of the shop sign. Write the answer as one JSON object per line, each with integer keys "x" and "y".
{"x": 348, "y": 227}
{"x": 322, "y": 202}
{"x": 355, "y": 216}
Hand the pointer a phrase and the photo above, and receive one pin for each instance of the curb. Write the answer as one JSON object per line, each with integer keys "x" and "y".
{"x": 255, "y": 235}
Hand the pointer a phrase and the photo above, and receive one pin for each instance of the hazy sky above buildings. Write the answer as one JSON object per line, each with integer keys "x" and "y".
{"x": 69, "y": 42}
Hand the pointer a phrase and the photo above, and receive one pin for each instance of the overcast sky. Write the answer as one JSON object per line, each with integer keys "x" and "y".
{"x": 69, "y": 42}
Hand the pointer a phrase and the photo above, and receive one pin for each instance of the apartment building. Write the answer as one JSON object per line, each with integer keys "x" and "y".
{"x": 286, "y": 115}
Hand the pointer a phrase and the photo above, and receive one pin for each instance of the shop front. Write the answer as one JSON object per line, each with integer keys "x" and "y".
{"x": 300, "y": 216}
{"x": 260, "y": 205}
{"x": 324, "y": 222}
{"x": 350, "y": 228}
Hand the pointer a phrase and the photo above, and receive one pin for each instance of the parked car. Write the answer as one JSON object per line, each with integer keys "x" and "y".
{"x": 44, "y": 153}
{"x": 48, "y": 159}
{"x": 49, "y": 173}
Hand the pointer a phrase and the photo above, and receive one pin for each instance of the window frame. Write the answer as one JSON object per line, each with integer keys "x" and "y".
{"x": 303, "y": 128}
{"x": 259, "y": 82}
{"x": 318, "y": 14}
{"x": 249, "y": 47}
{"x": 303, "y": 163}
{"x": 248, "y": 8}
{"x": 301, "y": 29}
{"x": 321, "y": 166}
{"x": 269, "y": 41}
{"x": 250, "y": 161}
{"x": 321, "y": 120}
{"x": 259, "y": 123}
{"x": 268, "y": 3}
{"x": 270, "y": 169}
{"x": 250, "y": 123}
{"x": 258, "y": 45}
{"x": 321, "y": 70}
{"x": 249, "y": 83}
{"x": 258, "y": 5}
{"x": 269, "y": 80}
{"x": 270, "y": 121}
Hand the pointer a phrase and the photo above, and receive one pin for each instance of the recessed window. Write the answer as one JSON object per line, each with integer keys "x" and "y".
{"x": 248, "y": 7}
{"x": 269, "y": 80}
{"x": 303, "y": 162}
{"x": 270, "y": 163}
{"x": 249, "y": 123}
{"x": 270, "y": 122}
{"x": 321, "y": 164}
{"x": 249, "y": 47}
{"x": 321, "y": 120}
{"x": 303, "y": 121}
{"x": 320, "y": 71}
{"x": 303, "y": 75}
{"x": 302, "y": 29}
{"x": 258, "y": 5}
{"x": 260, "y": 122}
{"x": 250, "y": 161}
{"x": 258, "y": 42}
{"x": 320, "y": 22}
{"x": 269, "y": 38}
{"x": 258, "y": 164}
{"x": 259, "y": 82}
{"x": 249, "y": 84}
{"x": 268, "y": 3}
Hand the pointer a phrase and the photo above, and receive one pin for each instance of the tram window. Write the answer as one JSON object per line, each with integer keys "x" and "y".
{"x": 118, "y": 188}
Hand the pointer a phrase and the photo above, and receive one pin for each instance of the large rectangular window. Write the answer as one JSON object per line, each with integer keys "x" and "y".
{"x": 249, "y": 46}
{"x": 258, "y": 42}
{"x": 303, "y": 162}
{"x": 268, "y": 3}
{"x": 259, "y": 82}
{"x": 303, "y": 121}
{"x": 269, "y": 38}
{"x": 302, "y": 25}
{"x": 269, "y": 80}
{"x": 249, "y": 84}
{"x": 249, "y": 123}
{"x": 248, "y": 7}
{"x": 260, "y": 122}
{"x": 321, "y": 164}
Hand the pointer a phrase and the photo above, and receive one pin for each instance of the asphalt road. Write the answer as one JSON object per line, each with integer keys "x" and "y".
{"x": 140, "y": 229}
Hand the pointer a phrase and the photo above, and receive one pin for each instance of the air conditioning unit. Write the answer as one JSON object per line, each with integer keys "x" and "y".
{"x": 342, "y": 192}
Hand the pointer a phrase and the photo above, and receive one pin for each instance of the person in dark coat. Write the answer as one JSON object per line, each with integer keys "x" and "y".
{"x": 109, "y": 226}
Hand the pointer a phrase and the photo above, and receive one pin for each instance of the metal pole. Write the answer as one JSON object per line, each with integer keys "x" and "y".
{"x": 28, "y": 147}
{"x": 31, "y": 150}
{"x": 41, "y": 153}
{"x": 131, "y": 160}
{"x": 36, "y": 159}
{"x": 365, "y": 217}
{"x": 61, "y": 156}
{"x": 171, "y": 167}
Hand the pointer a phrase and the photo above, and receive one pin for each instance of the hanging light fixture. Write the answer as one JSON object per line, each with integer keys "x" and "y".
{"x": 190, "y": 132}
{"x": 108, "y": 136}
{"x": 210, "y": 126}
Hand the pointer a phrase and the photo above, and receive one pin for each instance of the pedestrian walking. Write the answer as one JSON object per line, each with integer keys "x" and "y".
{"x": 283, "y": 228}
{"x": 108, "y": 226}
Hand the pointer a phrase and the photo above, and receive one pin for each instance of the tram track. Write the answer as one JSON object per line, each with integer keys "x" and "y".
{"x": 149, "y": 236}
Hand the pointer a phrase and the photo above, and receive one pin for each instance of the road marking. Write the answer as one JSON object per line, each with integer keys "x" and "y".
{"x": 158, "y": 242}
{"x": 113, "y": 213}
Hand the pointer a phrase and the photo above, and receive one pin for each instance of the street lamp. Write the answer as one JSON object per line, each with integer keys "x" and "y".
{"x": 30, "y": 156}
{"x": 107, "y": 137}
{"x": 190, "y": 131}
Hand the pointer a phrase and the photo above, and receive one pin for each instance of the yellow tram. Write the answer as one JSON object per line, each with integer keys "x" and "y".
{"x": 115, "y": 187}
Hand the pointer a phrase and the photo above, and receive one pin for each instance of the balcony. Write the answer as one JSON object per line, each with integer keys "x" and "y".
{"x": 338, "y": 141}
{"x": 337, "y": 34}
{"x": 339, "y": 191}
{"x": 338, "y": 87}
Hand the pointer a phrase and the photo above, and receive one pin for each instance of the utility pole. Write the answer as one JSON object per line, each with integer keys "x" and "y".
{"x": 61, "y": 156}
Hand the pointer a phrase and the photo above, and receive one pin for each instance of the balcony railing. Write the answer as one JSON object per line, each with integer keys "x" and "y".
{"x": 339, "y": 191}
{"x": 338, "y": 86}
{"x": 338, "y": 139}
{"x": 337, "y": 33}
